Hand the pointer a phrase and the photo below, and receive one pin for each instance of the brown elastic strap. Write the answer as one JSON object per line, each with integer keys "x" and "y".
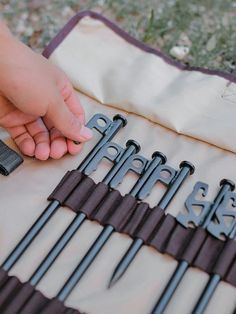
{"x": 3, "y": 277}
{"x": 226, "y": 258}
{"x": 157, "y": 229}
{"x": 20, "y": 296}
{"x": 17, "y": 297}
{"x": 35, "y": 303}
{"x": 119, "y": 216}
{"x": 8, "y": 291}
{"x": 195, "y": 242}
{"x": 160, "y": 238}
{"x": 209, "y": 254}
{"x": 108, "y": 204}
{"x": 231, "y": 275}
{"x": 87, "y": 197}
{"x": 67, "y": 184}
{"x": 134, "y": 221}
{"x": 80, "y": 194}
{"x": 55, "y": 306}
{"x": 149, "y": 223}
{"x": 179, "y": 239}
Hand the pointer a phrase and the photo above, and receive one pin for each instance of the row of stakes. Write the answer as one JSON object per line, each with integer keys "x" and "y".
{"x": 109, "y": 128}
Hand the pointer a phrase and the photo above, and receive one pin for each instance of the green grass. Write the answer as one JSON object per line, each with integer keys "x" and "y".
{"x": 207, "y": 27}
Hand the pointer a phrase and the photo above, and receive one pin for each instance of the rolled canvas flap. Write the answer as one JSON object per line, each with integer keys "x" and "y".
{"x": 118, "y": 71}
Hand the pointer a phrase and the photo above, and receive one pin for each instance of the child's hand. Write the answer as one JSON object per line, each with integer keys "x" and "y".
{"x": 38, "y": 106}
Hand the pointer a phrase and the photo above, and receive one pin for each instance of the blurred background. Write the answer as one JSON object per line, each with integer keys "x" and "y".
{"x": 195, "y": 32}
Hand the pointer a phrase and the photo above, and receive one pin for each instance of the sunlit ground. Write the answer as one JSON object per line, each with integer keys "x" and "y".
{"x": 206, "y": 27}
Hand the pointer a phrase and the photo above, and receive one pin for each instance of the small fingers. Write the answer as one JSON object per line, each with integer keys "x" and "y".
{"x": 39, "y": 132}
{"x": 73, "y": 148}
{"x": 58, "y": 144}
{"x": 23, "y": 140}
{"x": 67, "y": 123}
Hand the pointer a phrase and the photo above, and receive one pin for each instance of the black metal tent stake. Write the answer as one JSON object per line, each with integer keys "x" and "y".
{"x": 105, "y": 234}
{"x": 109, "y": 129}
{"x": 132, "y": 148}
{"x": 211, "y": 286}
{"x": 226, "y": 186}
{"x": 186, "y": 169}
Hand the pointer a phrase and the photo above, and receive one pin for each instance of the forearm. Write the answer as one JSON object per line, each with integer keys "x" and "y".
{"x": 15, "y": 68}
{"x": 36, "y": 98}
{"x": 5, "y": 33}
{"x": 7, "y": 47}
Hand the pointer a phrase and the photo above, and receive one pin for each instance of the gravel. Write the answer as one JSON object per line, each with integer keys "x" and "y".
{"x": 196, "y": 32}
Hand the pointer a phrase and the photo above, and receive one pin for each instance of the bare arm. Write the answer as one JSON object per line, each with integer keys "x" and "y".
{"x": 38, "y": 105}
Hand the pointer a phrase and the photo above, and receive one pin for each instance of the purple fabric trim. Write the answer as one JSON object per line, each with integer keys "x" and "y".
{"x": 55, "y": 42}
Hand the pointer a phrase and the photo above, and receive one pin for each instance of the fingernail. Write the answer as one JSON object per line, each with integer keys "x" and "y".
{"x": 86, "y": 133}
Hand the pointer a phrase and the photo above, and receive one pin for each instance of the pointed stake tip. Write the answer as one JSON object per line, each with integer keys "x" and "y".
{"x": 113, "y": 281}
{"x": 110, "y": 284}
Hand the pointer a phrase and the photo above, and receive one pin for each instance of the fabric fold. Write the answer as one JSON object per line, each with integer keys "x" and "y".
{"x": 188, "y": 101}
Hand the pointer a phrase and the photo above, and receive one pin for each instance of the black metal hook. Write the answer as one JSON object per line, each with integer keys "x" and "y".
{"x": 226, "y": 186}
{"x": 107, "y": 230}
{"x": 99, "y": 122}
{"x": 159, "y": 175}
{"x": 215, "y": 278}
{"x": 110, "y": 151}
{"x": 135, "y": 163}
{"x": 109, "y": 130}
{"x": 175, "y": 181}
{"x": 191, "y": 217}
{"x": 132, "y": 147}
{"x": 118, "y": 123}
{"x": 219, "y": 226}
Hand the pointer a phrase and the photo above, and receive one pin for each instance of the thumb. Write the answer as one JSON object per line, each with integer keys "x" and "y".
{"x": 67, "y": 123}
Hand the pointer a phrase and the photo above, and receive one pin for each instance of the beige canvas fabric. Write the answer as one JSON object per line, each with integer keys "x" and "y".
{"x": 188, "y": 115}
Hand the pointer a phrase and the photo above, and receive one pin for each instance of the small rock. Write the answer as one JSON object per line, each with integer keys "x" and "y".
{"x": 34, "y": 17}
{"x": 20, "y": 27}
{"x": 67, "y": 12}
{"x": 37, "y": 4}
{"x": 170, "y": 23}
{"x": 28, "y": 31}
{"x": 101, "y": 2}
{"x": 229, "y": 65}
{"x": 179, "y": 52}
{"x": 24, "y": 16}
{"x": 201, "y": 9}
{"x": 211, "y": 44}
{"x": 171, "y": 3}
{"x": 184, "y": 40}
{"x": 225, "y": 20}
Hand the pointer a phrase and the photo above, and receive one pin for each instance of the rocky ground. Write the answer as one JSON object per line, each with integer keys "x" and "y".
{"x": 196, "y": 32}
